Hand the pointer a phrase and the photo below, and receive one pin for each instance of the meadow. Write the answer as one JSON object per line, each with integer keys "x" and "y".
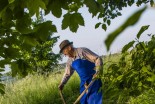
{"x": 37, "y": 89}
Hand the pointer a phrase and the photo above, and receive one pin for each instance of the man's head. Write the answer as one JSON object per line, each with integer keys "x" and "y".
{"x": 66, "y": 48}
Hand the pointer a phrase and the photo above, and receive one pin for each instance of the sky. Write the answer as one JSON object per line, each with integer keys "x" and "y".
{"x": 89, "y": 37}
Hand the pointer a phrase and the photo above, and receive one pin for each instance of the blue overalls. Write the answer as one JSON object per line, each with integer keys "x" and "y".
{"x": 85, "y": 70}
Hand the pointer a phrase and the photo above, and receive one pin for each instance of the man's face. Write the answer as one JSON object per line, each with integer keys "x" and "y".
{"x": 68, "y": 51}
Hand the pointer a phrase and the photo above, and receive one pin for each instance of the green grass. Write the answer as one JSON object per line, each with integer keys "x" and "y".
{"x": 35, "y": 89}
{"x": 40, "y": 90}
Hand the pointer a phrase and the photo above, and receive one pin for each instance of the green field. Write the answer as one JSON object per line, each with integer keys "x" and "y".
{"x": 37, "y": 89}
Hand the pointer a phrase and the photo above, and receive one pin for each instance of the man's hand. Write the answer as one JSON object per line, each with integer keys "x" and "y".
{"x": 61, "y": 86}
{"x": 96, "y": 76}
{"x": 99, "y": 72}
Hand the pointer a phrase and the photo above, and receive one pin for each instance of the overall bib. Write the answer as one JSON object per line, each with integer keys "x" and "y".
{"x": 85, "y": 70}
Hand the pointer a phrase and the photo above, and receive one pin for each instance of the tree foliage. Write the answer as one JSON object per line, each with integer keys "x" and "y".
{"x": 42, "y": 59}
{"x": 134, "y": 73}
{"x": 133, "y": 19}
{"x": 28, "y": 48}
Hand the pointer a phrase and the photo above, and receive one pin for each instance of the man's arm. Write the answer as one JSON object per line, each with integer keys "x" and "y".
{"x": 91, "y": 56}
{"x": 68, "y": 73}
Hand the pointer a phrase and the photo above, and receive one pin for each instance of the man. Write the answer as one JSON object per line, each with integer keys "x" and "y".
{"x": 87, "y": 64}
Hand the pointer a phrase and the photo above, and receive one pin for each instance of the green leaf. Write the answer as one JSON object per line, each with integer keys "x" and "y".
{"x": 143, "y": 28}
{"x": 11, "y": 52}
{"x": 44, "y": 29}
{"x": 3, "y": 4}
{"x": 105, "y": 19}
{"x": 14, "y": 69}
{"x": 100, "y": 1}
{"x": 66, "y": 21}
{"x": 23, "y": 24}
{"x": 152, "y": 3}
{"x": 144, "y": 69}
{"x": 119, "y": 77}
{"x": 18, "y": 12}
{"x": 29, "y": 40}
{"x": 23, "y": 67}
{"x": 133, "y": 19}
{"x": 73, "y": 25}
{"x": 140, "y": 84}
{"x": 64, "y": 4}
{"x": 74, "y": 7}
{"x": 4, "y": 62}
{"x": 55, "y": 7}
{"x": 8, "y": 24}
{"x": 11, "y": 1}
{"x": 97, "y": 25}
{"x": 78, "y": 19}
{"x": 100, "y": 15}
{"x": 35, "y": 8}
{"x": 151, "y": 78}
{"x": 119, "y": 14}
{"x": 7, "y": 15}
{"x": 108, "y": 22}
{"x": 93, "y": 7}
{"x": 104, "y": 27}
{"x": 127, "y": 46}
{"x": 72, "y": 21}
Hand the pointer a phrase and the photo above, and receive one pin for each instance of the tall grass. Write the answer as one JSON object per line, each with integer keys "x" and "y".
{"x": 36, "y": 89}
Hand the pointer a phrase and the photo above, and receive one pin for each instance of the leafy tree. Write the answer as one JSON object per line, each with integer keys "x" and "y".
{"x": 134, "y": 73}
{"x": 42, "y": 59}
{"x": 17, "y": 32}
{"x": 20, "y": 49}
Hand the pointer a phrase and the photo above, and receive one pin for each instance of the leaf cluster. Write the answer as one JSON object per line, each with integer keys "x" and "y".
{"x": 133, "y": 19}
{"x": 42, "y": 59}
{"x": 134, "y": 73}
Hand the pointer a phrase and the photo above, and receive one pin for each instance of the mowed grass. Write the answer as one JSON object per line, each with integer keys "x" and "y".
{"x": 36, "y": 89}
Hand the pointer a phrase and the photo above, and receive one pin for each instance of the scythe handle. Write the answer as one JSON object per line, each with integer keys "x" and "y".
{"x": 62, "y": 98}
{"x": 78, "y": 99}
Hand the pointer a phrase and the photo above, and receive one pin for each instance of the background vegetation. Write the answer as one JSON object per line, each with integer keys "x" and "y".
{"x": 26, "y": 42}
{"x": 129, "y": 78}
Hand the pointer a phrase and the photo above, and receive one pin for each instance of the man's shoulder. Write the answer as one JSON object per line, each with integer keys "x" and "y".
{"x": 69, "y": 61}
{"x": 81, "y": 48}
